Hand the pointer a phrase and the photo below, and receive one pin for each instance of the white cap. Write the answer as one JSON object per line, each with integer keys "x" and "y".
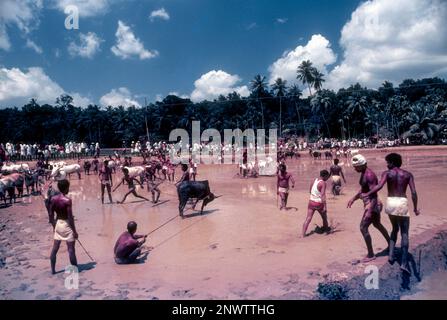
{"x": 358, "y": 160}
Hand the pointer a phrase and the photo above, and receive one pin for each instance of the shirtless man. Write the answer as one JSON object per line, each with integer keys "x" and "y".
{"x": 397, "y": 181}
{"x": 64, "y": 226}
{"x": 192, "y": 170}
{"x": 127, "y": 248}
{"x": 283, "y": 185}
{"x": 317, "y": 201}
{"x": 87, "y": 166}
{"x": 130, "y": 182}
{"x": 171, "y": 171}
{"x": 336, "y": 174}
{"x": 95, "y": 164}
{"x": 105, "y": 178}
{"x": 372, "y": 205}
{"x": 185, "y": 175}
{"x": 152, "y": 187}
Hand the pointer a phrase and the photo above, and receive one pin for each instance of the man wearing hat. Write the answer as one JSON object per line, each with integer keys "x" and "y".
{"x": 372, "y": 205}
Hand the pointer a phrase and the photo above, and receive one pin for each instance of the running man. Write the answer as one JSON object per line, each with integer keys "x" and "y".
{"x": 283, "y": 185}
{"x": 372, "y": 205}
{"x": 336, "y": 174}
{"x": 152, "y": 187}
{"x": 105, "y": 178}
{"x": 64, "y": 226}
{"x": 317, "y": 202}
{"x": 397, "y": 181}
{"x": 130, "y": 182}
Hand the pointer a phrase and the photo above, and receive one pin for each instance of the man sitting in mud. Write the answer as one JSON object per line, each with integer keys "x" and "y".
{"x": 127, "y": 248}
{"x": 283, "y": 185}
{"x": 64, "y": 225}
{"x": 372, "y": 205}
{"x": 132, "y": 188}
{"x": 336, "y": 174}
{"x": 397, "y": 181}
{"x": 317, "y": 202}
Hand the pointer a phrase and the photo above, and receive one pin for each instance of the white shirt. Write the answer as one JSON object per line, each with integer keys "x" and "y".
{"x": 315, "y": 194}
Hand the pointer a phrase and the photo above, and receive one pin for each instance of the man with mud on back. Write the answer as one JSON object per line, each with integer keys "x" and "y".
{"x": 397, "y": 181}
{"x": 336, "y": 173}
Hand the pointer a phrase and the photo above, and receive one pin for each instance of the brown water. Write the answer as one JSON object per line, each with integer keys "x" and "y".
{"x": 242, "y": 247}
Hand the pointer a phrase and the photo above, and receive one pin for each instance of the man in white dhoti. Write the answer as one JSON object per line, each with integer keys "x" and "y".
{"x": 397, "y": 181}
{"x": 64, "y": 226}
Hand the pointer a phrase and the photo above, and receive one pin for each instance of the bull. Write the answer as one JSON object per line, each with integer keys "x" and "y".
{"x": 199, "y": 190}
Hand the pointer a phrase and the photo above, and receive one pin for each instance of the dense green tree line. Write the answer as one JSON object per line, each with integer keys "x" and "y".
{"x": 415, "y": 108}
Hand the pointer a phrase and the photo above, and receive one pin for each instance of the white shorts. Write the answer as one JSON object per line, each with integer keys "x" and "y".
{"x": 283, "y": 190}
{"x": 397, "y": 206}
{"x": 63, "y": 232}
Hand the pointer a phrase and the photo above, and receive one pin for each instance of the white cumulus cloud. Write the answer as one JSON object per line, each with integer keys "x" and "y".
{"x": 17, "y": 87}
{"x": 318, "y": 50}
{"x": 119, "y": 97}
{"x": 160, "y": 14}
{"x": 127, "y": 45}
{"x": 89, "y": 45}
{"x": 214, "y": 83}
{"x": 392, "y": 40}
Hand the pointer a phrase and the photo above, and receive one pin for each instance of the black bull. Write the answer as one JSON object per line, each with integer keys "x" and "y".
{"x": 199, "y": 190}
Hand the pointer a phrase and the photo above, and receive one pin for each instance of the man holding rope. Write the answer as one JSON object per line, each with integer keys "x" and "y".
{"x": 127, "y": 248}
{"x": 64, "y": 226}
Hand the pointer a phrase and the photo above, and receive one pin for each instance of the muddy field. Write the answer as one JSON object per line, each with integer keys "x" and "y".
{"x": 242, "y": 247}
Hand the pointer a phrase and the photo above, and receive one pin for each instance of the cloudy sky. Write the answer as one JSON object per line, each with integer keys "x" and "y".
{"x": 128, "y": 50}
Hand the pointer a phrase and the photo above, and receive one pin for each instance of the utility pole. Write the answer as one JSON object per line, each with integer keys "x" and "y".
{"x": 145, "y": 119}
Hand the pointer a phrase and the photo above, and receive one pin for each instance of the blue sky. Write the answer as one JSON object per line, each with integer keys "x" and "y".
{"x": 221, "y": 44}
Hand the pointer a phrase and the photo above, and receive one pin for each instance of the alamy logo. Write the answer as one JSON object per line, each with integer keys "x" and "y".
{"x": 72, "y": 19}
{"x": 372, "y": 280}
{"x": 72, "y": 278}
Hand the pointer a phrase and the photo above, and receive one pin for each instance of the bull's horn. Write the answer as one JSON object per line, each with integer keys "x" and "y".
{"x": 215, "y": 197}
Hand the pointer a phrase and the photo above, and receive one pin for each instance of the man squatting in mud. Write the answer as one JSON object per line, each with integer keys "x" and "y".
{"x": 397, "y": 181}
{"x": 372, "y": 205}
{"x": 127, "y": 248}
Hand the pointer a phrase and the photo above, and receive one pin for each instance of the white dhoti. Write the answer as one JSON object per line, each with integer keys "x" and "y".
{"x": 336, "y": 179}
{"x": 397, "y": 206}
{"x": 283, "y": 190}
{"x": 63, "y": 231}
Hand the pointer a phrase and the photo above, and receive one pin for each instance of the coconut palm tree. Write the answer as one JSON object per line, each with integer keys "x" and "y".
{"x": 258, "y": 87}
{"x": 425, "y": 122}
{"x": 321, "y": 104}
{"x": 317, "y": 79}
{"x": 280, "y": 87}
{"x": 305, "y": 73}
{"x": 294, "y": 94}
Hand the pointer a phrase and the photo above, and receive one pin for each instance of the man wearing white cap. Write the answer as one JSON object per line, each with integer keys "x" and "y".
{"x": 372, "y": 205}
